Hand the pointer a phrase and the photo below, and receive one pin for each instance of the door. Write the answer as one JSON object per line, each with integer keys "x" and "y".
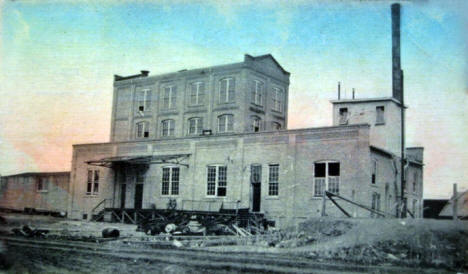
{"x": 123, "y": 191}
{"x": 256, "y": 196}
{"x": 138, "y": 196}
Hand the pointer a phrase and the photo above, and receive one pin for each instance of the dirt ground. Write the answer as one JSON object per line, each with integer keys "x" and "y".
{"x": 410, "y": 242}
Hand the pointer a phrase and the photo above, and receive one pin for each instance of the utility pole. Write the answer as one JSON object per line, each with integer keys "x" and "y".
{"x": 455, "y": 203}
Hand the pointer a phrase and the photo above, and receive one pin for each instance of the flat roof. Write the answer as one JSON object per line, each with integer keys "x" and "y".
{"x": 24, "y": 174}
{"x": 276, "y": 132}
{"x": 366, "y": 100}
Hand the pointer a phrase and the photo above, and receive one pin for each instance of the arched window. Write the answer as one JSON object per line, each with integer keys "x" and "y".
{"x": 142, "y": 130}
{"x": 225, "y": 123}
{"x": 167, "y": 128}
{"x": 276, "y": 126}
{"x": 195, "y": 126}
{"x": 255, "y": 123}
{"x": 227, "y": 87}
{"x": 257, "y": 92}
{"x": 326, "y": 177}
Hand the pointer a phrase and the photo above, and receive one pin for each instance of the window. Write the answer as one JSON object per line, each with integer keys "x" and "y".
{"x": 142, "y": 130}
{"x": 226, "y": 90}
{"x": 276, "y": 126}
{"x": 257, "y": 92}
{"x": 167, "y": 128}
{"x": 277, "y": 99}
{"x": 256, "y": 122}
{"x": 216, "y": 181}
{"x": 375, "y": 204}
{"x": 170, "y": 181}
{"x": 92, "y": 187}
{"x": 197, "y": 93}
{"x": 380, "y": 118}
{"x": 374, "y": 171}
{"x": 327, "y": 177}
{"x": 273, "y": 179}
{"x": 41, "y": 184}
{"x": 343, "y": 116}
{"x": 225, "y": 123}
{"x": 169, "y": 99}
{"x": 144, "y": 100}
{"x": 414, "y": 207}
{"x": 195, "y": 126}
{"x": 256, "y": 173}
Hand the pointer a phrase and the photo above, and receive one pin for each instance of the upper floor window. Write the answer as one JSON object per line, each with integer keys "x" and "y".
{"x": 216, "y": 181}
{"x": 343, "y": 116}
{"x": 257, "y": 92}
{"x": 197, "y": 93}
{"x": 327, "y": 177}
{"x": 275, "y": 126}
{"x": 277, "y": 99}
{"x": 170, "y": 181}
{"x": 195, "y": 126}
{"x": 227, "y": 88}
{"x": 256, "y": 123}
{"x": 380, "y": 118}
{"x": 144, "y": 100}
{"x": 225, "y": 123}
{"x": 169, "y": 98}
{"x": 167, "y": 128}
{"x": 142, "y": 130}
{"x": 273, "y": 180}
{"x": 92, "y": 187}
{"x": 374, "y": 171}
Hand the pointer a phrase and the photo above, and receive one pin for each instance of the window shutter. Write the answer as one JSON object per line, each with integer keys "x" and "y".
{"x": 232, "y": 88}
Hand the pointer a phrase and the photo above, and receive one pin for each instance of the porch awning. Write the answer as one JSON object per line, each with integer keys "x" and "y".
{"x": 140, "y": 160}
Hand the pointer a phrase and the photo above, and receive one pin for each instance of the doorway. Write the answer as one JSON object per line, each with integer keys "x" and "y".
{"x": 138, "y": 196}
{"x": 123, "y": 192}
{"x": 256, "y": 196}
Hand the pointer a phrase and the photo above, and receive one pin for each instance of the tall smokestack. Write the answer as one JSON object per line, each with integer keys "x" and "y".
{"x": 396, "y": 60}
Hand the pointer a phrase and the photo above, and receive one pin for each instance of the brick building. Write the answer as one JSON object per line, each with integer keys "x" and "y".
{"x": 217, "y": 137}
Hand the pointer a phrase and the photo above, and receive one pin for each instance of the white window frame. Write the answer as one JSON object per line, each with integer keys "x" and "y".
{"x": 144, "y": 100}
{"x": 229, "y": 93}
{"x": 256, "y": 123}
{"x": 144, "y": 129}
{"x": 343, "y": 116}
{"x": 380, "y": 115}
{"x": 227, "y": 121}
{"x": 277, "y": 99}
{"x": 173, "y": 182}
{"x": 170, "y": 97}
{"x": 217, "y": 181}
{"x": 167, "y": 127}
{"x": 92, "y": 182}
{"x": 198, "y": 126}
{"x": 257, "y": 93}
{"x": 273, "y": 180}
{"x": 198, "y": 93}
{"x": 328, "y": 180}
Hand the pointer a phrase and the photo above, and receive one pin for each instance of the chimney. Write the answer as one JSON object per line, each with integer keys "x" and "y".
{"x": 339, "y": 91}
{"x": 397, "y": 80}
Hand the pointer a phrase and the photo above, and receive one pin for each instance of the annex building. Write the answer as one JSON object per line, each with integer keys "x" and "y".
{"x": 217, "y": 138}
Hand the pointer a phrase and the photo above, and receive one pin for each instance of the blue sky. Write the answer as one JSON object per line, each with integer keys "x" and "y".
{"x": 58, "y": 59}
